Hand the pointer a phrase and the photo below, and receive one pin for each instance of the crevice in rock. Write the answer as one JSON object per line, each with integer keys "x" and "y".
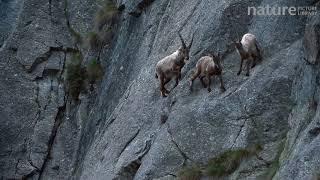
{"x": 62, "y": 67}
{"x": 57, "y": 123}
{"x": 30, "y": 175}
{"x": 27, "y": 23}
{"x": 314, "y": 131}
{"x": 183, "y": 154}
{"x": 50, "y": 9}
{"x": 75, "y": 34}
{"x": 16, "y": 166}
{"x": 246, "y": 118}
{"x": 49, "y": 97}
{"x": 266, "y": 163}
{"x": 31, "y": 163}
{"x": 147, "y": 146}
{"x": 116, "y": 111}
{"x": 129, "y": 171}
{"x": 129, "y": 141}
{"x": 310, "y": 63}
{"x": 239, "y": 132}
{"x": 142, "y": 5}
{"x": 37, "y": 117}
{"x": 231, "y": 92}
{"x": 44, "y": 57}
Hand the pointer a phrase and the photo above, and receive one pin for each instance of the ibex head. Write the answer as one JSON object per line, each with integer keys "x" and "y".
{"x": 184, "y": 50}
{"x": 237, "y": 43}
{"x": 217, "y": 59}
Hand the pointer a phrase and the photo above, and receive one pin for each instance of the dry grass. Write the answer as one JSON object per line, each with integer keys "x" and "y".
{"x": 107, "y": 15}
{"x": 190, "y": 173}
{"x": 227, "y": 162}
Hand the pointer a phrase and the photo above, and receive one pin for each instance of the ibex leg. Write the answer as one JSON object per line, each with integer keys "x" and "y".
{"x": 222, "y": 84}
{"x": 202, "y": 81}
{"x": 209, "y": 83}
{"x": 240, "y": 69}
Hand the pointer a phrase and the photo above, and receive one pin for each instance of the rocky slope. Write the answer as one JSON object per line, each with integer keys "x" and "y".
{"x": 123, "y": 129}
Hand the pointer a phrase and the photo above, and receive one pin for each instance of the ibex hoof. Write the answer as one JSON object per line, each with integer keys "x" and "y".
{"x": 209, "y": 89}
{"x": 223, "y": 89}
{"x": 238, "y": 73}
{"x": 163, "y": 94}
{"x": 247, "y": 74}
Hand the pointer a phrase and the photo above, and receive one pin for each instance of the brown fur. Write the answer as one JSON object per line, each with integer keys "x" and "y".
{"x": 206, "y": 67}
{"x": 249, "y": 51}
{"x": 170, "y": 66}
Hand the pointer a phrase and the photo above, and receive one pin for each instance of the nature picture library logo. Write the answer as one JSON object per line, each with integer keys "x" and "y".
{"x": 282, "y": 10}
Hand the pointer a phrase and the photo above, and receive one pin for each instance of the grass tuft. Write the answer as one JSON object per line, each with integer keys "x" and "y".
{"x": 75, "y": 76}
{"x": 190, "y": 173}
{"x": 227, "y": 162}
{"x": 94, "y": 39}
{"x": 222, "y": 165}
{"x": 105, "y": 22}
{"x": 94, "y": 71}
{"x": 107, "y": 15}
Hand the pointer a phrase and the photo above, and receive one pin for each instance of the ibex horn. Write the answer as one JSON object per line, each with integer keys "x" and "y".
{"x": 182, "y": 41}
{"x": 191, "y": 42}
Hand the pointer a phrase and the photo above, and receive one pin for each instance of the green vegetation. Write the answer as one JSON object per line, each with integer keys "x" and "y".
{"x": 190, "y": 173}
{"x": 316, "y": 176}
{"x": 94, "y": 71}
{"x": 227, "y": 162}
{"x": 75, "y": 76}
{"x": 77, "y": 36}
{"x": 94, "y": 39}
{"x": 105, "y": 21}
{"x": 107, "y": 15}
{"x": 106, "y": 35}
{"x": 78, "y": 76}
{"x": 222, "y": 165}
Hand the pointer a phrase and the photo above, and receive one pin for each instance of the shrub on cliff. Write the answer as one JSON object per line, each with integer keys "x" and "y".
{"x": 107, "y": 15}
{"x": 222, "y": 165}
{"x": 227, "y": 162}
{"x": 94, "y": 71}
{"x": 75, "y": 76}
{"x": 93, "y": 39}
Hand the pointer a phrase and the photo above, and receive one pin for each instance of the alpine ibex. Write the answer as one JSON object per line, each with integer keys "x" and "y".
{"x": 206, "y": 67}
{"x": 171, "y": 66}
{"x": 248, "y": 50}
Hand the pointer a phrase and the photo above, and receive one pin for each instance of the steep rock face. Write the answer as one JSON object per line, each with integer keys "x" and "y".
{"x": 9, "y": 11}
{"x": 124, "y": 129}
{"x": 34, "y": 102}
